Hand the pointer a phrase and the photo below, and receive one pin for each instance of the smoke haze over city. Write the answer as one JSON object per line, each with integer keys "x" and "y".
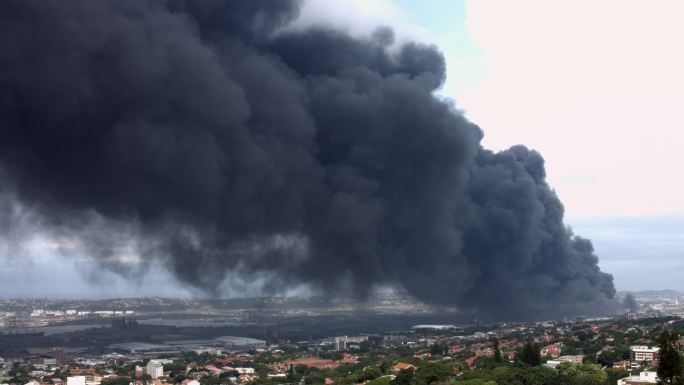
{"x": 234, "y": 149}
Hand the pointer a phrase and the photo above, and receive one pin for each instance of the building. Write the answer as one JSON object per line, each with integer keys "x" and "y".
{"x": 403, "y": 366}
{"x": 154, "y": 368}
{"x": 645, "y": 377}
{"x": 576, "y": 359}
{"x": 639, "y": 354}
{"x": 76, "y": 380}
{"x": 342, "y": 343}
{"x": 553, "y": 350}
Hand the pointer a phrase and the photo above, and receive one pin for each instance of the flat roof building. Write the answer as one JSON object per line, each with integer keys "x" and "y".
{"x": 643, "y": 354}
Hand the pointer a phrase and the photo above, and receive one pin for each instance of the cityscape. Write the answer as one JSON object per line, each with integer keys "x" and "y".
{"x": 273, "y": 340}
{"x": 341, "y": 192}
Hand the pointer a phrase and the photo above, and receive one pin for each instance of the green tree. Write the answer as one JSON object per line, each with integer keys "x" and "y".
{"x": 530, "y": 354}
{"x": 314, "y": 377}
{"x": 585, "y": 374}
{"x": 385, "y": 380}
{"x": 370, "y": 373}
{"x": 432, "y": 372}
{"x": 404, "y": 377}
{"x": 669, "y": 361}
{"x": 116, "y": 381}
{"x": 497, "y": 351}
{"x": 292, "y": 376}
{"x": 616, "y": 374}
{"x": 475, "y": 381}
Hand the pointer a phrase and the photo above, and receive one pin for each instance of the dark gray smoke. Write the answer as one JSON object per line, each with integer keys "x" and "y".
{"x": 223, "y": 148}
{"x": 630, "y": 303}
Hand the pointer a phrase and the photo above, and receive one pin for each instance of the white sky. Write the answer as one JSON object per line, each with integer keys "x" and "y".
{"x": 597, "y": 87}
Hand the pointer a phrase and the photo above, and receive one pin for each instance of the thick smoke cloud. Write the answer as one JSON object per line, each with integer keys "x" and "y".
{"x": 223, "y": 147}
{"x": 630, "y": 303}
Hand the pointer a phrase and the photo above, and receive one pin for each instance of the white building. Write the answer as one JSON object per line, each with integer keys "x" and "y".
{"x": 645, "y": 377}
{"x": 76, "y": 380}
{"x": 245, "y": 370}
{"x": 639, "y": 354}
{"x": 342, "y": 343}
{"x": 154, "y": 368}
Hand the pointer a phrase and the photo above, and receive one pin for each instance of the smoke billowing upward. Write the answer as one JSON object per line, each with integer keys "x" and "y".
{"x": 224, "y": 147}
{"x": 630, "y": 303}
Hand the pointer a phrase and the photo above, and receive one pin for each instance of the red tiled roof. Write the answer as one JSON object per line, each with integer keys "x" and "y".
{"x": 403, "y": 365}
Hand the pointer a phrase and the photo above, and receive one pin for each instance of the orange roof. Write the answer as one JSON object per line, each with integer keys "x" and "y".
{"x": 315, "y": 363}
{"x": 470, "y": 361}
{"x": 403, "y": 365}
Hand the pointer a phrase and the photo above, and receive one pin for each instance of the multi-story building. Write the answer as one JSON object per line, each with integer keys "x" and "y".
{"x": 155, "y": 369}
{"x": 639, "y": 354}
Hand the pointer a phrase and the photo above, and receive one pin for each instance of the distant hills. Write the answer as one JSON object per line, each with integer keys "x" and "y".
{"x": 651, "y": 293}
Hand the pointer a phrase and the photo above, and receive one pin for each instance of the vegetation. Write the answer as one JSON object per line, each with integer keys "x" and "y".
{"x": 530, "y": 354}
{"x": 670, "y": 361}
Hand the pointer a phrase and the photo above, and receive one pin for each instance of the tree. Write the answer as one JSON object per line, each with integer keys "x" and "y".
{"x": 497, "y": 351}
{"x": 404, "y": 377}
{"x": 292, "y": 376}
{"x": 669, "y": 361}
{"x": 586, "y": 374}
{"x": 370, "y": 373}
{"x": 116, "y": 381}
{"x": 432, "y": 372}
{"x": 379, "y": 381}
{"x": 530, "y": 354}
{"x": 616, "y": 374}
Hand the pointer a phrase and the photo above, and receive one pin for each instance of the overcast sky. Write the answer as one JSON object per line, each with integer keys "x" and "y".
{"x": 596, "y": 87}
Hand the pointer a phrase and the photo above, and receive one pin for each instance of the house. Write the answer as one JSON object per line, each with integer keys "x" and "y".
{"x": 553, "y": 350}
{"x": 645, "y": 377}
{"x": 213, "y": 370}
{"x": 403, "y": 366}
{"x": 471, "y": 361}
{"x": 486, "y": 352}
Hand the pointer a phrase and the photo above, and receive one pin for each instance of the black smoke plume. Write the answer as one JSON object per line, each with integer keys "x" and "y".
{"x": 630, "y": 303}
{"x": 222, "y": 146}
